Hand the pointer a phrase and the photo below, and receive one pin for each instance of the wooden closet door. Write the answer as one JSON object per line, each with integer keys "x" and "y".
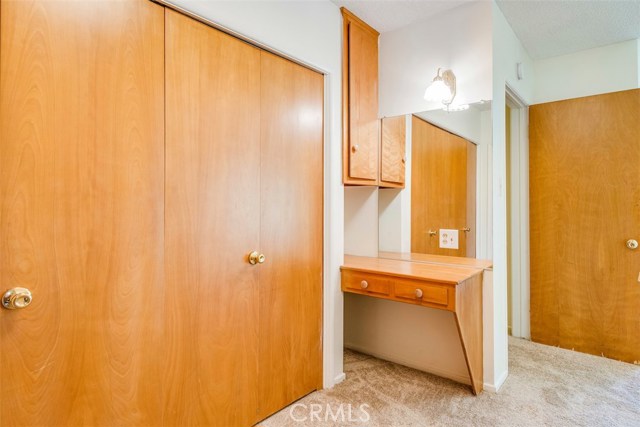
{"x": 585, "y": 205}
{"x": 212, "y": 223}
{"x": 438, "y": 188}
{"x": 291, "y": 233}
{"x": 81, "y": 212}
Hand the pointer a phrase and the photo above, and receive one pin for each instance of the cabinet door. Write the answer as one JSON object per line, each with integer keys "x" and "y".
{"x": 392, "y": 152}
{"x": 291, "y": 232}
{"x": 81, "y": 212}
{"x": 212, "y": 223}
{"x": 363, "y": 125}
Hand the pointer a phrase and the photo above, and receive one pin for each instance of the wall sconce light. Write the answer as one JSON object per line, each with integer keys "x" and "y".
{"x": 442, "y": 88}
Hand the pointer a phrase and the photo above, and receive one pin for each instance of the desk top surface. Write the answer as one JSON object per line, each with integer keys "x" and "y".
{"x": 436, "y": 272}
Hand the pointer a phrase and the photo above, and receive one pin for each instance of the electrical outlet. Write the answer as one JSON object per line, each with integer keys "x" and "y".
{"x": 448, "y": 238}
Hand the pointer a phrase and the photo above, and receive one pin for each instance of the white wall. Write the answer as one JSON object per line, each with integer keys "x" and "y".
{"x": 459, "y": 39}
{"x": 507, "y": 52}
{"x": 311, "y": 33}
{"x": 484, "y": 188}
{"x": 589, "y": 72}
{"x": 361, "y": 221}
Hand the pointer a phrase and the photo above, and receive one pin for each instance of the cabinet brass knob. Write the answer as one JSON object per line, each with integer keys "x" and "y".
{"x": 364, "y": 284}
{"x": 354, "y": 148}
{"x": 418, "y": 293}
{"x": 432, "y": 232}
{"x": 16, "y": 298}
{"x": 632, "y": 244}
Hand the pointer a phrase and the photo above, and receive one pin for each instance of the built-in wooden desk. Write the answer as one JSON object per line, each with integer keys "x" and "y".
{"x": 452, "y": 287}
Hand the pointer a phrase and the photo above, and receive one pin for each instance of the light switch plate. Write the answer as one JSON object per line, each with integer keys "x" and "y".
{"x": 448, "y": 239}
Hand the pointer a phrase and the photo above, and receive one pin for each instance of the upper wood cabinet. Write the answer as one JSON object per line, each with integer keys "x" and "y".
{"x": 392, "y": 152}
{"x": 361, "y": 127}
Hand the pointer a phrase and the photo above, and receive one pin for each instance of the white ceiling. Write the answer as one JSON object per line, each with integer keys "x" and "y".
{"x": 545, "y": 27}
{"x": 552, "y": 27}
{"x": 389, "y": 15}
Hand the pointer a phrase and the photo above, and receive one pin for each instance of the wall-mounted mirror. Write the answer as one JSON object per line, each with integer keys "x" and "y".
{"x": 437, "y": 211}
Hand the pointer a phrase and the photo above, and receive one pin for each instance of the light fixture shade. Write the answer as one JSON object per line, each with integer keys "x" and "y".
{"x": 437, "y": 91}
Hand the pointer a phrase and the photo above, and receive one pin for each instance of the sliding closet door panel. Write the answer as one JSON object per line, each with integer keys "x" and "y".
{"x": 212, "y": 223}
{"x": 291, "y": 234}
{"x": 81, "y": 212}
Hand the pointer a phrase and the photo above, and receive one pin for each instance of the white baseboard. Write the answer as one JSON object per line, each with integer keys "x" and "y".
{"x": 455, "y": 376}
{"x": 339, "y": 378}
{"x": 495, "y": 388}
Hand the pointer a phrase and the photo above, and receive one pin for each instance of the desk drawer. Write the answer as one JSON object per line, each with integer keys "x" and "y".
{"x": 421, "y": 292}
{"x": 365, "y": 283}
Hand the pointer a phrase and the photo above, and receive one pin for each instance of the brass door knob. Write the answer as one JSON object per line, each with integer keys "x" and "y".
{"x": 418, "y": 293}
{"x": 256, "y": 258}
{"x": 16, "y": 298}
{"x": 632, "y": 244}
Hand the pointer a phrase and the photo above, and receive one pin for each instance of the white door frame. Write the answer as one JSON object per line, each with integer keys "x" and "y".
{"x": 519, "y": 218}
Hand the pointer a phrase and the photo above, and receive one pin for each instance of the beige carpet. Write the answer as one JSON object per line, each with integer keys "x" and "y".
{"x": 547, "y": 386}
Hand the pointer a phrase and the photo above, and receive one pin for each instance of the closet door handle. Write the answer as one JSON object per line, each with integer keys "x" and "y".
{"x": 256, "y": 258}
{"x": 16, "y": 298}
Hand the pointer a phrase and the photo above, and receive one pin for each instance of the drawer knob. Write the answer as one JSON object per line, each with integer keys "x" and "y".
{"x": 418, "y": 293}
{"x": 364, "y": 284}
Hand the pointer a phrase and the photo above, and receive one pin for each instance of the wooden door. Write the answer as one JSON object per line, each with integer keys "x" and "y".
{"x": 392, "y": 152}
{"x": 81, "y": 212}
{"x": 439, "y": 180}
{"x": 361, "y": 91}
{"x": 212, "y": 222}
{"x": 585, "y": 204}
{"x": 291, "y": 182}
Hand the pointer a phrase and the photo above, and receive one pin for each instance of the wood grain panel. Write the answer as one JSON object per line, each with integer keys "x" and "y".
{"x": 81, "y": 211}
{"x": 212, "y": 223}
{"x": 543, "y": 126}
{"x": 360, "y": 103}
{"x": 585, "y": 204}
{"x": 438, "y": 187}
{"x": 469, "y": 321}
{"x": 392, "y": 152}
{"x": 452, "y": 274}
{"x": 291, "y": 182}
